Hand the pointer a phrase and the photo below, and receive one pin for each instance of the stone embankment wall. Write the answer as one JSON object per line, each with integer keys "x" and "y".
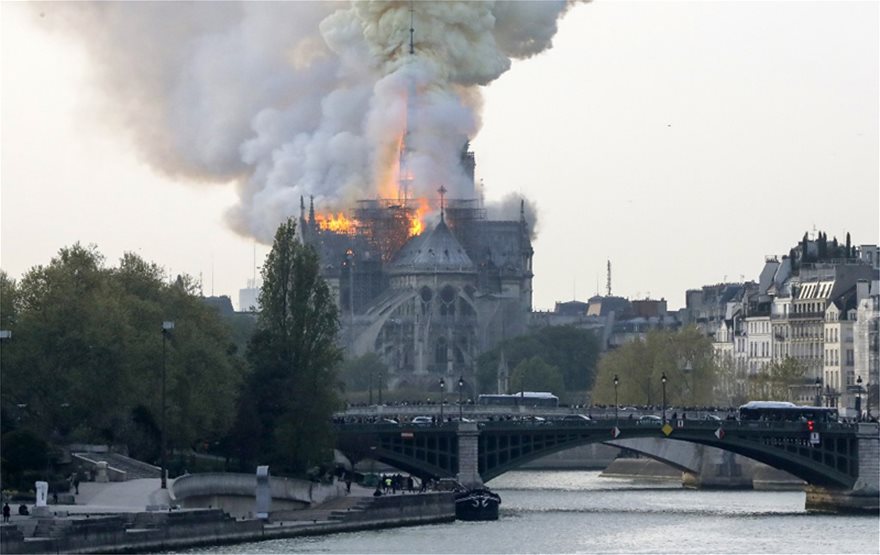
{"x": 168, "y": 531}
{"x": 642, "y": 468}
{"x": 755, "y": 475}
{"x": 234, "y": 493}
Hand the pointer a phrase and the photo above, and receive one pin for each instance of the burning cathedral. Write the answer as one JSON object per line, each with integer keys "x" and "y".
{"x": 421, "y": 274}
{"x": 426, "y": 283}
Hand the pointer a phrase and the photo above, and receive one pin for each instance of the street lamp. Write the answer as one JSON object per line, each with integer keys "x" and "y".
{"x": 381, "y": 379}
{"x": 442, "y": 397}
{"x": 371, "y": 388}
{"x": 859, "y": 398}
{"x": 167, "y": 326}
{"x": 460, "y": 390}
{"x": 663, "y": 381}
{"x": 616, "y": 405}
{"x": 818, "y": 391}
{"x": 690, "y": 380}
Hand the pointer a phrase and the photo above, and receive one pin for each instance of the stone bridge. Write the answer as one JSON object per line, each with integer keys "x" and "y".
{"x": 840, "y": 464}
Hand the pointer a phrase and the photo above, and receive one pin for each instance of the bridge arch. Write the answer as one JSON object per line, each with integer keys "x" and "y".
{"x": 504, "y": 446}
{"x": 832, "y": 463}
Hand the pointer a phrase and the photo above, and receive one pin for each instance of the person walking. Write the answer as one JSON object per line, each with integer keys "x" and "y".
{"x": 6, "y": 512}
{"x": 76, "y": 482}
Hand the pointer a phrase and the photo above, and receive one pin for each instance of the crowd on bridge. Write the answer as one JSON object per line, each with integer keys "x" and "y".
{"x": 594, "y": 412}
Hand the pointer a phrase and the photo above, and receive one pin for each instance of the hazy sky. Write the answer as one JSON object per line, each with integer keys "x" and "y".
{"x": 681, "y": 140}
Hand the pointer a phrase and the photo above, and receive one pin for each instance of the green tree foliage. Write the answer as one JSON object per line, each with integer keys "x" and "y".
{"x": 776, "y": 381}
{"x": 685, "y": 356}
{"x": 292, "y": 389}
{"x": 572, "y": 350}
{"x": 85, "y": 360}
{"x": 23, "y": 450}
{"x": 730, "y": 383}
{"x": 363, "y": 372}
{"x": 533, "y": 374}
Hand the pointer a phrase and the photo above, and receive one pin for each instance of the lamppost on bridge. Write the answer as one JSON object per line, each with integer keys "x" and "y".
{"x": 859, "y": 398}
{"x": 818, "y": 391}
{"x": 663, "y": 381}
{"x": 616, "y": 405}
{"x": 442, "y": 398}
{"x": 167, "y": 326}
{"x": 381, "y": 379}
{"x": 371, "y": 387}
{"x": 460, "y": 391}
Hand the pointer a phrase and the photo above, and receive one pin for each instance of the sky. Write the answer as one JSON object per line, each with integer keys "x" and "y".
{"x": 682, "y": 141}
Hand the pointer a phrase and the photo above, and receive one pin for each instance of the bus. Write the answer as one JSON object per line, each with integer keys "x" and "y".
{"x": 523, "y": 398}
{"x": 783, "y": 411}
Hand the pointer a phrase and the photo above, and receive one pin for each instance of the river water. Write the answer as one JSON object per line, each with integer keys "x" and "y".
{"x": 580, "y": 512}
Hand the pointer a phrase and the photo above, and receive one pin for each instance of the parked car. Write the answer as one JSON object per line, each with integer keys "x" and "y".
{"x": 650, "y": 419}
{"x": 534, "y": 419}
{"x": 422, "y": 420}
{"x": 712, "y": 417}
{"x": 389, "y": 421}
{"x": 580, "y": 418}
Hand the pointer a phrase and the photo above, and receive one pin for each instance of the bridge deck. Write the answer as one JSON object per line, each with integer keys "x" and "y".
{"x": 828, "y": 456}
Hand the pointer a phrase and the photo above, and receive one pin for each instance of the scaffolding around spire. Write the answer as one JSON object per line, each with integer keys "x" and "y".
{"x": 412, "y": 49}
{"x": 442, "y": 191}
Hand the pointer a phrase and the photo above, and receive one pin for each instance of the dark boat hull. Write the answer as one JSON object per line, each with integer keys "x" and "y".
{"x": 477, "y": 504}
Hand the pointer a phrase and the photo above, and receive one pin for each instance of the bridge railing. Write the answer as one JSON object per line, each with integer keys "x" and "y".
{"x": 603, "y": 423}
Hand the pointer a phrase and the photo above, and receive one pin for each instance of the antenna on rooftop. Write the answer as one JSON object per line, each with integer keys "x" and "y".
{"x": 608, "y": 280}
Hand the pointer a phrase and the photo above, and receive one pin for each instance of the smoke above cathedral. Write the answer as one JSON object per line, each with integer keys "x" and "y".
{"x": 304, "y": 99}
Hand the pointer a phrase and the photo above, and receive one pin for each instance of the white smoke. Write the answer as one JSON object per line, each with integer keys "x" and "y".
{"x": 512, "y": 206}
{"x": 303, "y": 98}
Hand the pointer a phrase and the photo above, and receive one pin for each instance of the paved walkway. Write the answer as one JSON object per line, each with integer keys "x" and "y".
{"x": 132, "y": 496}
{"x": 135, "y": 496}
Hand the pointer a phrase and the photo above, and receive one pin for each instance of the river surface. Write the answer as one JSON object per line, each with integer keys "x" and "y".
{"x": 580, "y": 512}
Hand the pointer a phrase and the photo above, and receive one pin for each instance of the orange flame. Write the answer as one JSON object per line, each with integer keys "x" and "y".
{"x": 416, "y": 223}
{"x": 338, "y": 223}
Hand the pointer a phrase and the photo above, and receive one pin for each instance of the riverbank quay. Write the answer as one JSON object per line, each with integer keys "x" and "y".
{"x": 759, "y": 476}
{"x": 641, "y": 468}
{"x": 123, "y": 528}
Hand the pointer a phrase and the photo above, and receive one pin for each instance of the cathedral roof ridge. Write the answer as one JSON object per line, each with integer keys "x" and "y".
{"x": 436, "y": 251}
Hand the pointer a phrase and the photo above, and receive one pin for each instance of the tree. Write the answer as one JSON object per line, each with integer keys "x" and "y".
{"x": 362, "y": 373}
{"x": 85, "y": 360}
{"x": 684, "y": 356}
{"x": 776, "y": 380}
{"x": 22, "y": 450}
{"x": 293, "y": 355}
{"x": 534, "y": 374}
{"x": 572, "y": 350}
{"x": 731, "y": 382}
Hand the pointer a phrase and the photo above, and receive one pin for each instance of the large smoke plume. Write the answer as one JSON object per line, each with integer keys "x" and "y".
{"x": 303, "y": 99}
